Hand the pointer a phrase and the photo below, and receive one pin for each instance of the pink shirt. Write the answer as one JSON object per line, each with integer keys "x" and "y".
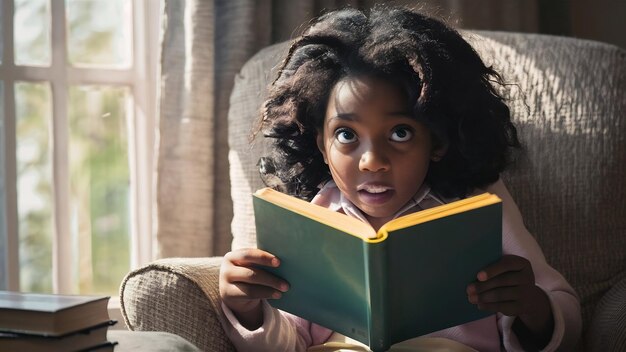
{"x": 282, "y": 331}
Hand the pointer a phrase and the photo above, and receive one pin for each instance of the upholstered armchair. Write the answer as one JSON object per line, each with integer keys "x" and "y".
{"x": 568, "y": 99}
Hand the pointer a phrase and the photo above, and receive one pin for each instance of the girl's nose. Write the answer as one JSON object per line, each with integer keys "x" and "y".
{"x": 374, "y": 161}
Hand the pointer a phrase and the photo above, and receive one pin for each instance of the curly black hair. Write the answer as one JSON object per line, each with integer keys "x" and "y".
{"x": 449, "y": 87}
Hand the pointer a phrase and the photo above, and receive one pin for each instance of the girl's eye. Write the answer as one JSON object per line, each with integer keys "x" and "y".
{"x": 401, "y": 134}
{"x": 345, "y": 136}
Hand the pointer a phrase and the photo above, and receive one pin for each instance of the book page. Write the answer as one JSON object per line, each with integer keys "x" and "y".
{"x": 318, "y": 213}
{"x": 441, "y": 211}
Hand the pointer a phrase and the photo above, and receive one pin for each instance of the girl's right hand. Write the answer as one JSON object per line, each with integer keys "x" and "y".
{"x": 244, "y": 283}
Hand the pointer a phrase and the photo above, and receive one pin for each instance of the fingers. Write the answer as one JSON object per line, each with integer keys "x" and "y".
{"x": 505, "y": 264}
{"x": 508, "y": 279}
{"x": 504, "y": 286}
{"x": 244, "y": 291}
{"x": 506, "y": 300}
{"x": 252, "y": 256}
{"x": 245, "y": 277}
{"x": 501, "y": 294}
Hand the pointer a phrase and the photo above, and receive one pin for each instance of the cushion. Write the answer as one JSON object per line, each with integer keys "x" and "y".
{"x": 130, "y": 341}
{"x": 185, "y": 290}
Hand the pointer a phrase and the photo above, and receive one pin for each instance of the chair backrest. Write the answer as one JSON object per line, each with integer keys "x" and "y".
{"x": 568, "y": 101}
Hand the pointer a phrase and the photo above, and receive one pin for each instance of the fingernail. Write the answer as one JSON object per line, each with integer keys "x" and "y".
{"x": 276, "y": 295}
{"x": 275, "y": 261}
{"x": 471, "y": 289}
{"x": 284, "y": 287}
{"x": 471, "y": 299}
{"x": 482, "y": 276}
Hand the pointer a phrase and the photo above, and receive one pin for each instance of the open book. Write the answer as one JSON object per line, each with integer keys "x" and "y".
{"x": 406, "y": 280}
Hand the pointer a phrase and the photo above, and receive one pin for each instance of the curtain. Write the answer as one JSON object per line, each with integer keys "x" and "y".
{"x": 204, "y": 44}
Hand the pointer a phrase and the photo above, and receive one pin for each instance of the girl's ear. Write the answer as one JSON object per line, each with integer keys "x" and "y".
{"x": 320, "y": 144}
{"x": 439, "y": 153}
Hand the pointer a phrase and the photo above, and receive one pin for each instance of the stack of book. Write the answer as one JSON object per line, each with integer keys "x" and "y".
{"x": 46, "y": 322}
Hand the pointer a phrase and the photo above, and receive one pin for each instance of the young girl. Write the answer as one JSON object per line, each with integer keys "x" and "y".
{"x": 379, "y": 116}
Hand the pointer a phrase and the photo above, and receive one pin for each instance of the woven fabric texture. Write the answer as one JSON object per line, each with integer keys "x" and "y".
{"x": 609, "y": 321}
{"x": 177, "y": 295}
{"x": 571, "y": 113}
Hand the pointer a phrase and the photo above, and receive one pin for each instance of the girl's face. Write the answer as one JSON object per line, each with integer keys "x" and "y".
{"x": 378, "y": 154}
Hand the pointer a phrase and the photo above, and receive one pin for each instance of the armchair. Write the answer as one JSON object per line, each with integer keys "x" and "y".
{"x": 568, "y": 99}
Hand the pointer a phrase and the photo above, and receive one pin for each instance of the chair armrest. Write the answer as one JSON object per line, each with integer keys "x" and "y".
{"x": 177, "y": 295}
{"x": 607, "y": 330}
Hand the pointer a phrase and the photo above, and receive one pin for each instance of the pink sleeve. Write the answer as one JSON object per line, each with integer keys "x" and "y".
{"x": 565, "y": 304}
{"x": 280, "y": 331}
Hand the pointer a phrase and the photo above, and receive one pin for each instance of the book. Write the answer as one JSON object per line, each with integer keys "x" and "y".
{"x": 403, "y": 281}
{"x": 49, "y": 314}
{"x": 87, "y": 339}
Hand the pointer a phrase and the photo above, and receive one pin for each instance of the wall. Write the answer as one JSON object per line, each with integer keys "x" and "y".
{"x": 601, "y": 20}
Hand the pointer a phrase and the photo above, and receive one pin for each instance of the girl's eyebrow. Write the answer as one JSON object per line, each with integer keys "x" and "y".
{"x": 348, "y": 116}
{"x": 400, "y": 113}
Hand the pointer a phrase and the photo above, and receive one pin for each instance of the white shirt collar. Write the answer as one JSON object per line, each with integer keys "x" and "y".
{"x": 329, "y": 196}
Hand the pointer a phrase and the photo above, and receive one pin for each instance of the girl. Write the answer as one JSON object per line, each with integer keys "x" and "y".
{"x": 379, "y": 116}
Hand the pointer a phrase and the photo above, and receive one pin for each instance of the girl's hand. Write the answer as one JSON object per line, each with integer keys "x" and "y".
{"x": 243, "y": 284}
{"x": 508, "y": 286}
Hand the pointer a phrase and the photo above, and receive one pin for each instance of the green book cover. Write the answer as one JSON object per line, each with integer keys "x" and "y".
{"x": 404, "y": 281}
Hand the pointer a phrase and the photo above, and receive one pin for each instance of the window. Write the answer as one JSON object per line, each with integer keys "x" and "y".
{"x": 78, "y": 105}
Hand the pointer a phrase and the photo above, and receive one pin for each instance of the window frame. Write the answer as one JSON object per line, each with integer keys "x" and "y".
{"x": 140, "y": 79}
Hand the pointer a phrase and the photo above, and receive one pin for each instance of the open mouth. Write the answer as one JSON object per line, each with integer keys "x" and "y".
{"x": 374, "y": 189}
{"x": 375, "y": 194}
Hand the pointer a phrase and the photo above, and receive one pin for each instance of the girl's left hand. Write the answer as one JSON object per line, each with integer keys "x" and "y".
{"x": 508, "y": 287}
